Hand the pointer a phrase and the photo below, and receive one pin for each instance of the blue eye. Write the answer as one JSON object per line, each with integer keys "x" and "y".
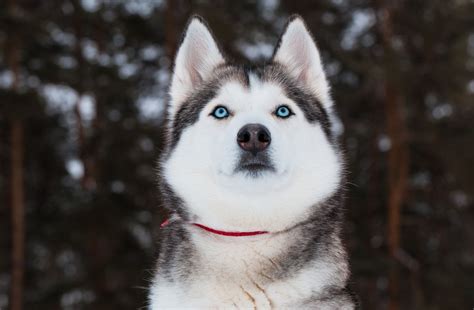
{"x": 283, "y": 111}
{"x": 220, "y": 112}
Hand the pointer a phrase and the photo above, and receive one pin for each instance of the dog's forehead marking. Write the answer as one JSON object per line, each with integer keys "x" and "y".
{"x": 254, "y": 80}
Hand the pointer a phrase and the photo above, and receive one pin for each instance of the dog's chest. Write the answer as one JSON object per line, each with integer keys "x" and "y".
{"x": 241, "y": 274}
{"x": 246, "y": 292}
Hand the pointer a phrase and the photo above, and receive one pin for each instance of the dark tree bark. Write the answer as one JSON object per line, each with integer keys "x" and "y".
{"x": 171, "y": 37}
{"x": 18, "y": 215}
{"x": 398, "y": 153}
{"x": 16, "y": 178}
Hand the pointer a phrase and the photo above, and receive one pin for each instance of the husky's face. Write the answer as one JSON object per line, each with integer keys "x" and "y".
{"x": 250, "y": 149}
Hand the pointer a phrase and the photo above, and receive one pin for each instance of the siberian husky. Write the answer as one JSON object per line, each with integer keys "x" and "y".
{"x": 253, "y": 176}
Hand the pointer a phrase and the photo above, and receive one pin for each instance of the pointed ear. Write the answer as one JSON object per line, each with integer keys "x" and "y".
{"x": 197, "y": 56}
{"x": 298, "y": 53}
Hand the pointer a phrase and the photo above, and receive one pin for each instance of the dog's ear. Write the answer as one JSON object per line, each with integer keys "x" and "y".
{"x": 298, "y": 53}
{"x": 197, "y": 56}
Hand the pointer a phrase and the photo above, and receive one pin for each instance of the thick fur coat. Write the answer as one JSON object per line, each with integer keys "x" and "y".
{"x": 251, "y": 148}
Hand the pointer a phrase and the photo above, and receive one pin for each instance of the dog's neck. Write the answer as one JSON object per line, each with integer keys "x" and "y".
{"x": 277, "y": 253}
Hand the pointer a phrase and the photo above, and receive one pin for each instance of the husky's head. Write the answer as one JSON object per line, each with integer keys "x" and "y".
{"x": 249, "y": 148}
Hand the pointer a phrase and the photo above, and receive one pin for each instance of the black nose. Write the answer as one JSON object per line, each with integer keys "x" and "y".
{"x": 254, "y": 138}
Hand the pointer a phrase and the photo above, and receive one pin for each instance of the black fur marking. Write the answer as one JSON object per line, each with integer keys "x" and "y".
{"x": 312, "y": 108}
{"x": 247, "y": 70}
{"x": 189, "y": 112}
{"x": 307, "y": 102}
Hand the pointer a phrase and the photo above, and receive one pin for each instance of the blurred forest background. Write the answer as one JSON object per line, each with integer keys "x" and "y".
{"x": 82, "y": 90}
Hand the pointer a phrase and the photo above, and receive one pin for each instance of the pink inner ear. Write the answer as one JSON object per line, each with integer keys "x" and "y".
{"x": 192, "y": 63}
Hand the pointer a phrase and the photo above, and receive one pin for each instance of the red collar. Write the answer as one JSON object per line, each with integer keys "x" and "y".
{"x": 222, "y": 232}
{"x": 231, "y": 233}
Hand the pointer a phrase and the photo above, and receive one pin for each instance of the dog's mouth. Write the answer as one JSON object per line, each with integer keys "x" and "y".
{"x": 255, "y": 165}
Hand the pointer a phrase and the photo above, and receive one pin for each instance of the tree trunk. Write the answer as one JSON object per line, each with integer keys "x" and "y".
{"x": 171, "y": 38}
{"x": 398, "y": 153}
{"x": 16, "y": 179}
{"x": 397, "y": 175}
{"x": 18, "y": 215}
